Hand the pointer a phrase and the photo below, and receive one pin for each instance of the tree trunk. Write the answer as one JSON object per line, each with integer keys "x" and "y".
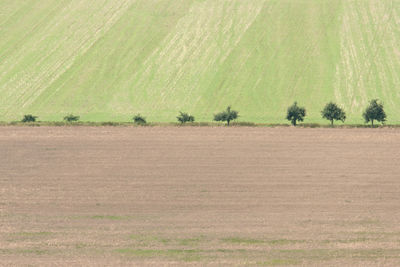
{"x": 332, "y": 123}
{"x": 372, "y": 123}
{"x": 228, "y": 122}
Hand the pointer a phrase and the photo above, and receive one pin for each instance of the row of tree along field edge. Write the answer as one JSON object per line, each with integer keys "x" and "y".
{"x": 331, "y": 112}
{"x": 191, "y": 124}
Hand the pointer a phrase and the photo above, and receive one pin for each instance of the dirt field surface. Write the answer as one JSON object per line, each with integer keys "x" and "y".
{"x": 199, "y": 196}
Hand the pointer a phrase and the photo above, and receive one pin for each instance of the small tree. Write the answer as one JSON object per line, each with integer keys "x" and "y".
{"x": 184, "y": 117}
{"x": 228, "y": 115}
{"x": 29, "y": 118}
{"x": 374, "y": 112}
{"x": 295, "y": 113}
{"x": 71, "y": 118}
{"x": 333, "y": 112}
{"x": 139, "y": 119}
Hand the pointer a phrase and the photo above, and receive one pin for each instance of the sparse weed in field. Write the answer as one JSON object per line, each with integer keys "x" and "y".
{"x": 244, "y": 123}
{"x": 149, "y": 253}
{"x": 249, "y": 241}
{"x": 108, "y": 123}
{"x": 20, "y": 251}
{"x": 80, "y": 245}
{"x": 312, "y": 125}
{"x": 109, "y": 217}
{"x": 279, "y": 262}
{"x": 239, "y": 240}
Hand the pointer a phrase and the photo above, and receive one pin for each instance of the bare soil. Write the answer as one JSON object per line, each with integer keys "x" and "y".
{"x": 199, "y": 196}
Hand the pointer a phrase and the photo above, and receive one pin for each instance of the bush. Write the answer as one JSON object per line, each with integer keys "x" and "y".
{"x": 228, "y": 115}
{"x": 29, "y": 118}
{"x": 71, "y": 118}
{"x": 295, "y": 113}
{"x": 374, "y": 112}
{"x": 139, "y": 119}
{"x": 332, "y": 112}
{"x": 184, "y": 117}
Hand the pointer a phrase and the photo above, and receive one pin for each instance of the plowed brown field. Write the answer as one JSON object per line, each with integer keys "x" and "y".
{"x": 199, "y": 196}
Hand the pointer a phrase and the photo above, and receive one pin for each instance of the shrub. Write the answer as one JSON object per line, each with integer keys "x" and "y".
{"x": 139, "y": 119}
{"x": 184, "y": 117}
{"x": 374, "y": 112}
{"x": 295, "y": 113}
{"x": 29, "y": 118}
{"x": 71, "y": 118}
{"x": 333, "y": 112}
{"x": 228, "y": 115}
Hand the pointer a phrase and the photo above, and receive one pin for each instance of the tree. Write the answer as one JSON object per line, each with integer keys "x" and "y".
{"x": 29, "y": 118}
{"x": 374, "y": 112}
{"x": 228, "y": 115}
{"x": 184, "y": 117}
{"x": 295, "y": 113}
{"x": 71, "y": 118}
{"x": 139, "y": 119}
{"x": 333, "y": 112}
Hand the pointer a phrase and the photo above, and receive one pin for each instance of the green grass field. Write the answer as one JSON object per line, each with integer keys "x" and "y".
{"x": 106, "y": 60}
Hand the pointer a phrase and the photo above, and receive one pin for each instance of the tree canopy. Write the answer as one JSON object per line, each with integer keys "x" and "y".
{"x": 333, "y": 112}
{"x": 71, "y": 118}
{"x": 185, "y": 117}
{"x": 295, "y": 113}
{"x": 29, "y": 118}
{"x": 228, "y": 115}
{"x": 139, "y": 119}
{"x": 374, "y": 112}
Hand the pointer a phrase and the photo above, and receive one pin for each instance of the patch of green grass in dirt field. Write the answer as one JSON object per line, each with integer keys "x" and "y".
{"x": 24, "y": 236}
{"x": 272, "y": 257}
{"x": 239, "y": 240}
{"x": 25, "y": 251}
{"x": 153, "y": 239}
{"x": 178, "y": 254}
{"x": 31, "y": 234}
{"x": 279, "y": 262}
{"x": 109, "y": 217}
{"x": 275, "y": 252}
